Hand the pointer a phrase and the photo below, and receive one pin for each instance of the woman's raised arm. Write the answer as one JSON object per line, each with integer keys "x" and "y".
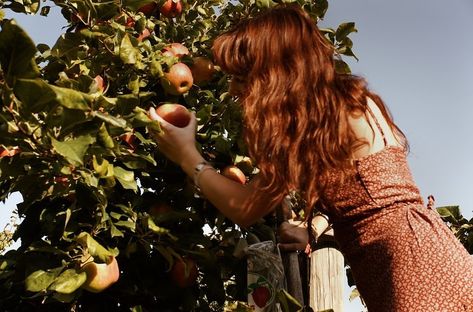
{"x": 229, "y": 197}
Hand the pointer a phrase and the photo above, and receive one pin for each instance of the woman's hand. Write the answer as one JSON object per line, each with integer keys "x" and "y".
{"x": 293, "y": 236}
{"x": 177, "y": 144}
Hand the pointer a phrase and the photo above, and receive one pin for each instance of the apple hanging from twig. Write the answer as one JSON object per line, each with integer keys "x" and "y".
{"x": 202, "y": 70}
{"x": 100, "y": 276}
{"x": 171, "y": 8}
{"x": 178, "y": 80}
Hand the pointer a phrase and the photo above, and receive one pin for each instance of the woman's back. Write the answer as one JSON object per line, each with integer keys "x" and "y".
{"x": 403, "y": 256}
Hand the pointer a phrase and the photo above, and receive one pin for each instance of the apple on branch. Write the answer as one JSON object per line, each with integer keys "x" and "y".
{"x": 234, "y": 173}
{"x": 175, "y": 49}
{"x": 148, "y": 9}
{"x": 178, "y": 80}
{"x": 99, "y": 82}
{"x": 130, "y": 139}
{"x": 171, "y": 8}
{"x": 184, "y": 272}
{"x": 144, "y": 34}
{"x": 202, "y": 70}
{"x": 5, "y": 152}
{"x": 159, "y": 208}
{"x": 100, "y": 276}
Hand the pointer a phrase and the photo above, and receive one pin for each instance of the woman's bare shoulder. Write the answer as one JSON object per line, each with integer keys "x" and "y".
{"x": 369, "y": 130}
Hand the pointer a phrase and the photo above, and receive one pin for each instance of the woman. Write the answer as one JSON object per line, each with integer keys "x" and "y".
{"x": 328, "y": 136}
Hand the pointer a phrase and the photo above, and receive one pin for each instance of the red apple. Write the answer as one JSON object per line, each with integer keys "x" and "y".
{"x": 125, "y": 20}
{"x": 129, "y": 138}
{"x": 234, "y": 173}
{"x": 148, "y": 9}
{"x": 175, "y": 49}
{"x": 5, "y": 152}
{"x": 171, "y": 8}
{"x": 100, "y": 83}
{"x": 175, "y": 114}
{"x": 144, "y": 34}
{"x": 159, "y": 209}
{"x": 100, "y": 275}
{"x": 202, "y": 69}
{"x": 130, "y": 22}
{"x": 178, "y": 80}
{"x": 184, "y": 272}
{"x": 61, "y": 180}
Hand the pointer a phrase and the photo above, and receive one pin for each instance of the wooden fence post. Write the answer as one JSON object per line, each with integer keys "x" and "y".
{"x": 326, "y": 275}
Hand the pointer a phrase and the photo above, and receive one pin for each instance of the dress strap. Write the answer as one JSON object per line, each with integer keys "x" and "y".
{"x": 377, "y": 125}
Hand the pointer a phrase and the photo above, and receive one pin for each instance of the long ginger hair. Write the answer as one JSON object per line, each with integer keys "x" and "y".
{"x": 295, "y": 105}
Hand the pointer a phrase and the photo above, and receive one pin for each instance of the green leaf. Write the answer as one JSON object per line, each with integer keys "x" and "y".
{"x": 115, "y": 232}
{"x": 68, "y": 282}
{"x": 126, "y": 178}
{"x": 450, "y": 213}
{"x": 128, "y": 53}
{"x": 35, "y": 94}
{"x": 73, "y": 150}
{"x": 137, "y": 309}
{"x": 320, "y": 8}
{"x": 105, "y": 137}
{"x": 72, "y": 99}
{"x": 156, "y": 229}
{"x": 102, "y": 168}
{"x": 89, "y": 179}
{"x": 135, "y": 4}
{"x": 354, "y": 294}
{"x": 17, "y": 52}
{"x": 341, "y": 67}
{"x": 112, "y": 120}
{"x": 67, "y": 45}
{"x": 40, "y": 280}
{"x": 94, "y": 248}
{"x": 265, "y": 3}
{"x": 127, "y": 224}
{"x": 288, "y": 302}
{"x": 64, "y": 298}
{"x": 344, "y": 30}
{"x": 140, "y": 118}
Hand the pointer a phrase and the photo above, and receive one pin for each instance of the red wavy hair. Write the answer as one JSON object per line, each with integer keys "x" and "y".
{"x": 295, "y": 105}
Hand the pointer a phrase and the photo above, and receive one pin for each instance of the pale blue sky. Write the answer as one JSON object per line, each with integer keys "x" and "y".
{"x": 417, "y": 55}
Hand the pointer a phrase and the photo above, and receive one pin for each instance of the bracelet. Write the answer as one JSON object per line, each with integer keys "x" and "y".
{"x": 199, "y": 168}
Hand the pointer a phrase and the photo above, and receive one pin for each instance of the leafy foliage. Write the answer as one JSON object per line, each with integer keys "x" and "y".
{"x": 461, "y": 227}
{"x": 75, "y": 143}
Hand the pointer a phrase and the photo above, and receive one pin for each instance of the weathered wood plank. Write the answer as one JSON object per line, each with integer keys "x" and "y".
{"x": 326, "y": 278}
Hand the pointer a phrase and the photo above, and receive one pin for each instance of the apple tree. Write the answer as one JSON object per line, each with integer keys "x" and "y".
{"x": 107, "y": 222}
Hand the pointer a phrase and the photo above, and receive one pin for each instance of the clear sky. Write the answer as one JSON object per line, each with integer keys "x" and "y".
{"x": 417, "y": 55}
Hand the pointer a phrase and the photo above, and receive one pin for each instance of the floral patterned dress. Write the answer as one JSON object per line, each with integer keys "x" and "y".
{"x": 403, "y": 256}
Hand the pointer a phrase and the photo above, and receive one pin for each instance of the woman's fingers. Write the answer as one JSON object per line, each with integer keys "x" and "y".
{"x": 166, "y": 125}
{"x": 163, "y": 123}
{"x": 193, "y": 122}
